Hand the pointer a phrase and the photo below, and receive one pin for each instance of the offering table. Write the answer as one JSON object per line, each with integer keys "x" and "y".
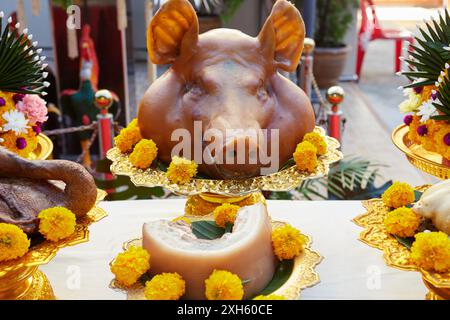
{"x": 349, "y": 270}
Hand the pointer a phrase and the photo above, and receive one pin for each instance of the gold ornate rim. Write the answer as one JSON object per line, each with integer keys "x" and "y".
{"x": 45, "y": 251}
{"x": 395, "y": 254}
{"x": 303, "y": 273}
{"x": 284, "y": 180}
{"x": 44, "y": 148}
{"x": 428, "y": 162}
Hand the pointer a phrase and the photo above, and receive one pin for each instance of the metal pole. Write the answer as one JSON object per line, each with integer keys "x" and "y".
{"x": 335, "y": 96}
{"x": 103, "y": 101}
{"x": 309, "y": 15}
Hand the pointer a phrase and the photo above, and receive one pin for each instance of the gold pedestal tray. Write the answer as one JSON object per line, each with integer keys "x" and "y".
{"x": 394, "y": 253}
{"x": 303, "y": 272}
{"x": 429, "y": 162}
{"x": 44, "y": 149}
{"x": 206, "y": 194}
{"x": 20, "y": 278}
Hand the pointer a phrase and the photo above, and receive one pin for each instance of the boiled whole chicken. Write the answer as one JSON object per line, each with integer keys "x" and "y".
{"x": 435, "y": 205}
{"x": 29, "y": 186}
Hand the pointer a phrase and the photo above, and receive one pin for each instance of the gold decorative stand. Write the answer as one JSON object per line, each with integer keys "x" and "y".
{"x": 20, "y": 278}
{"x": 204, "y": 195}
{"x": 394, "y": 253}
{"x": 434, "y": 164}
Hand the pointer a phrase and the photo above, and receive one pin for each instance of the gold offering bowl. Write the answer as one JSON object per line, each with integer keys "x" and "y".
{"x": 206, "y": 194}
{"x": 394, "y": 253}
{"x": 303, "y": 273}
{"x": 20, "y": 278}
{"x": 429, "y": 162}
{"x": 44, "y": 149}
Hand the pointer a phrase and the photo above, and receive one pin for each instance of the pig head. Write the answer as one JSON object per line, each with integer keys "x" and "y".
{"x": 226, "y": 81}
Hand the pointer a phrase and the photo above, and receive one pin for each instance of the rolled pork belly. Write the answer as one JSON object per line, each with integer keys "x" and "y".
{"x": 246, "y": 251}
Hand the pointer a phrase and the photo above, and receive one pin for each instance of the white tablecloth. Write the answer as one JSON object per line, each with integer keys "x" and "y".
{"x": 350, "y": 269}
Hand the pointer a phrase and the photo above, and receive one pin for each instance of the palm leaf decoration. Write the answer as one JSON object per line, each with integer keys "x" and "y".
{"x": 430, "y": 56}
{"x": 21, "y": 66}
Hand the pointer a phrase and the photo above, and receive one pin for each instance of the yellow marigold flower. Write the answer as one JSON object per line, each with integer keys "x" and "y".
{"x": 226, "y": 213}
{"x": 133, "y": 124}
{"x": 10, "y": 142}
{"x": 166, "y": 286}
{"x": 127, "y": 138}
{"x": 181, "y": 170}
{"x": 269, "y": 297}
{"x": 130, "y": 265}
{"x": 305, "y": 156}
{"x": 398, "y": 195}
{"x": 413, "y": 135}
{"x": 223, "y": 285}
{"x": 14, "y": 243}
{"x": 402, "y": 222}
{"x": 56, "y": 223}
{"x": 441, "y": 147}
{"x": 426, "y": 93}
{"x": 287, "y": 242}
{"x": 143, "y": 154}
{"x": 182, "y": 218}
{"x": 431, "y": 251}
{"x": 317, "y": 141}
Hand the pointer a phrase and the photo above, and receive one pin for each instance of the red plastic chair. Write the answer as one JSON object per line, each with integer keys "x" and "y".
{"x": 371, "y": 30}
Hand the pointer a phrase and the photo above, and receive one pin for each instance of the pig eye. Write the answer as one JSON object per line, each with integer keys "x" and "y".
{"x": 262, "y": 92}
{"x": 194, "y": 89}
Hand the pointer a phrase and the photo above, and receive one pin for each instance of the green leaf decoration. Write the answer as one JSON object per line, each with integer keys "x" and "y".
{"x": 207, "y": 230}
{"x": 428, "y": 57}
{"x": 21, "y": 67}
{"x": 417, "y": 195}
{"x": 281, "y": 275}
{"x": 407, "y": 242}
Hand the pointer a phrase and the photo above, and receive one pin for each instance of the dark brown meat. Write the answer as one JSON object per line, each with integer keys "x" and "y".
{"x": 27, "y": 187}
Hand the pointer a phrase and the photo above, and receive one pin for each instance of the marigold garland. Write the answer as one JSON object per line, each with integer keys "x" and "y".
{"x": 287, "y": 242}
{"x": 318, "y": 141}
{"x": 223, "y": 285}
{"x": 402, "y": 222}
{"x": 14, "y": 243}
{"x": 130, "y": 265}
{"x": 128, "y": 137}
{"x": 431, "y": 251}
{"x": 181, "y": 170}
{"x": 305, "y": 156}
{"x": 398, "y": 195}
{"x": 56, "y": 223}
{"x": 144, "y": 154}
{"x": 166, "y": 286}
{"x": 225, "y": 213}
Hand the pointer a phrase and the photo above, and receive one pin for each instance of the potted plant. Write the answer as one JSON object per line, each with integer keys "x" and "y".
{"x": 333, "y": 20}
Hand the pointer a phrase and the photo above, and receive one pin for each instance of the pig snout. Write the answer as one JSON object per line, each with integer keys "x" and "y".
{"x": 240, "y": 157}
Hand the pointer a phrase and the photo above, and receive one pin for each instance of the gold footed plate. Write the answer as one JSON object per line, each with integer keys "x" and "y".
{"x": 20, "y": 278}
{"x": 43, "y": 150}
{"x": 303, "y": 273}
{"x": 429, "y": 162}
{"x": 283, "y": 180}
{"x": 394, "y": 253}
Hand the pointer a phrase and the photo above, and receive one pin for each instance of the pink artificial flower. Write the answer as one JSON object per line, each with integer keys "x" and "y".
{"x": 34, "y": 107}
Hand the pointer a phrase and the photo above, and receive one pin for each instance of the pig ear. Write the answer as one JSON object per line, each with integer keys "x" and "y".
{"x": 282, "y": 35}
{"x": 172, "y": 32}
